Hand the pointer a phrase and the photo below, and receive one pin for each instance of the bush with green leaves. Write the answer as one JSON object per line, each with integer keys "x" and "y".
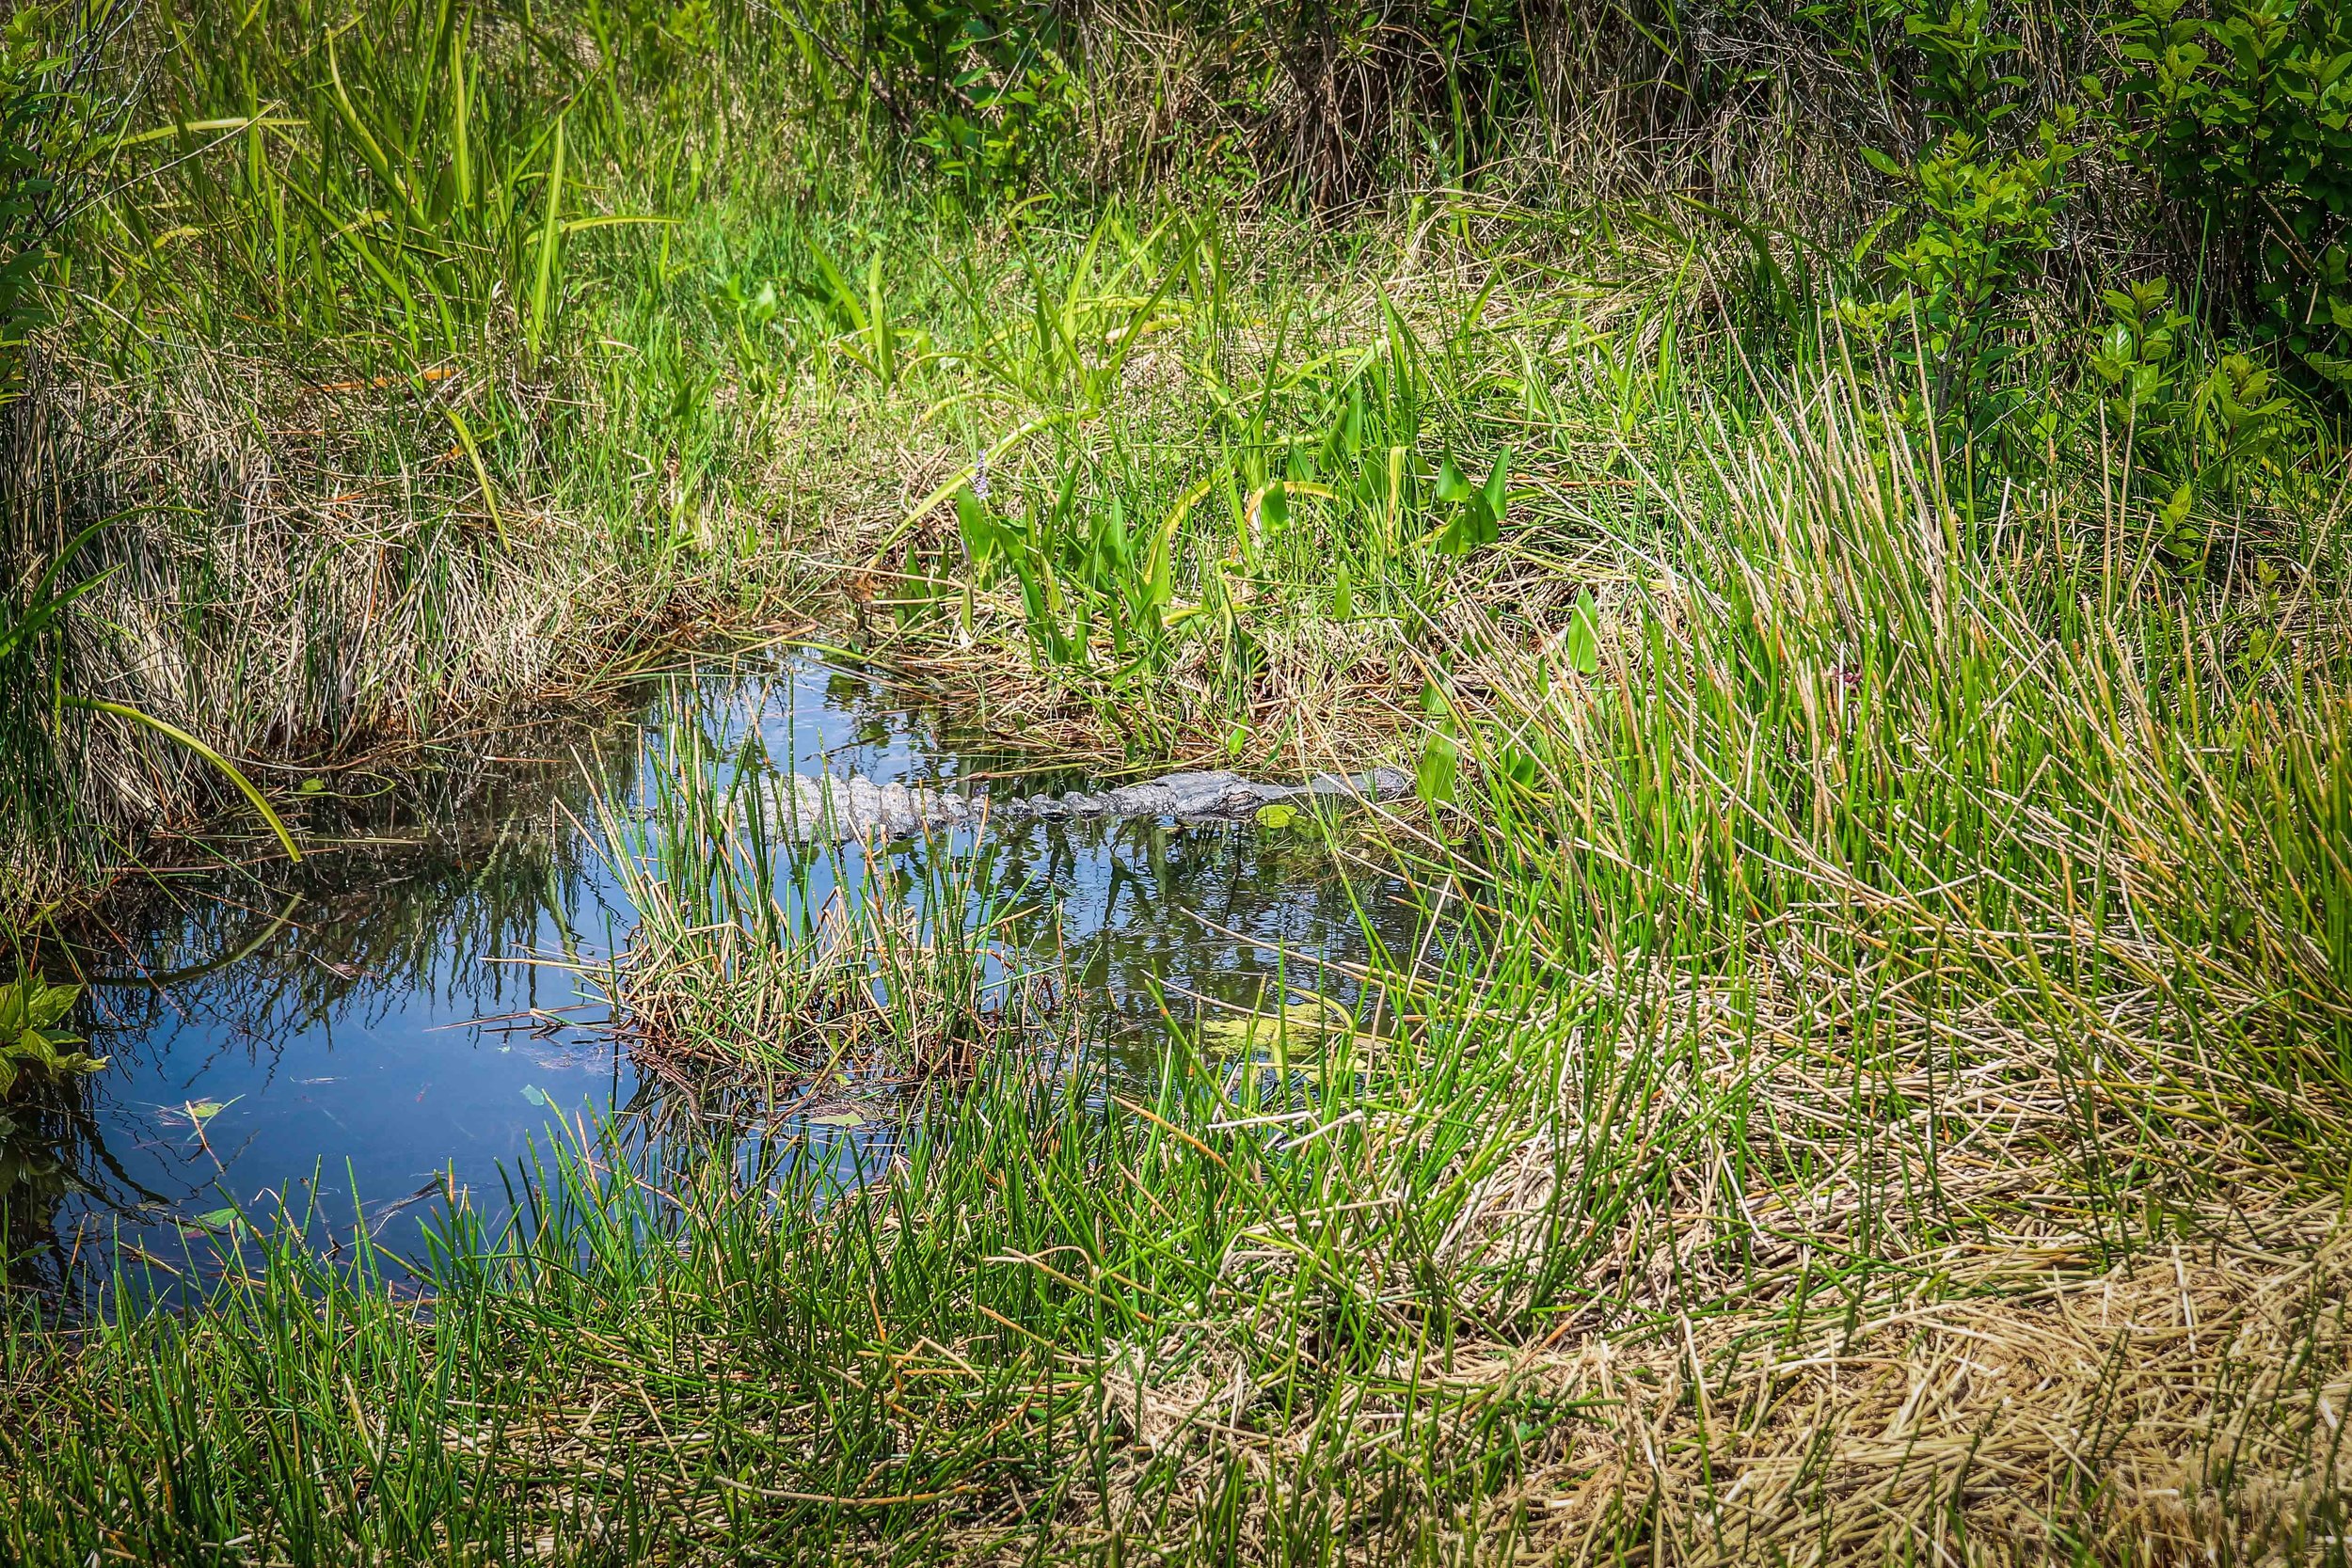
{"x": 2241, "y": 115}
{"x": 985, "y": 88}
{"x": 1982, "y": 225}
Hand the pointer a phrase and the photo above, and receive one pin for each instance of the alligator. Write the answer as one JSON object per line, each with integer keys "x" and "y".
{"x": 857, "y": 807}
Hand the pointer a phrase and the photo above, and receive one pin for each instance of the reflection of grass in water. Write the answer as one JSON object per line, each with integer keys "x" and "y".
{"x": 481, "y": 860}
{"x": 397, "y": 902}
{"x": 1212, "y": 907}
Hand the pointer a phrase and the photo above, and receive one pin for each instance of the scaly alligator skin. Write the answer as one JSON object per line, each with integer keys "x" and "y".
{"x": 857, "y": 807}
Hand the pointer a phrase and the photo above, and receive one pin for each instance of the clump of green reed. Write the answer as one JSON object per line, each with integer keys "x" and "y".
{"x": 2021, "y": 739}
{"x": 759, "y": 955}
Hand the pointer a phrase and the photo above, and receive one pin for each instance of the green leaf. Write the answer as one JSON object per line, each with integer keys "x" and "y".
{"x": 1439, "y": 763}
{"x": 838, "y": 1118}
{"x": 543, "y": 291}
{"x": 2334, "y": 367}
{"x": 844, "y": 296}
{"x": 1274, "y": 507}
{"x": 537, "y": 1095}
{"x": 1343, "y": 594}
{"x": 1275, "y": 815}
{"x": 1452, "y": 486}
{"x": 1497, "y": 493}
{"x": 982, "y": 539}
{"x": 2176, "y": 509}
{"x": 46, "y": 1004}
{"x": 1583, "y": 643}
{"x": 1481, "y": 526}
{"x": 229, "y": 769}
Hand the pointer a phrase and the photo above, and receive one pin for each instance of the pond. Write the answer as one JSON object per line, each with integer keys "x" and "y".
{"x": 404, "y": 1015}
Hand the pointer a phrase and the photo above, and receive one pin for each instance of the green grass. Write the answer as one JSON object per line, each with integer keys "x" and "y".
{"x": 1838, "y": 1120}
{"x": 1876, "y": 1087}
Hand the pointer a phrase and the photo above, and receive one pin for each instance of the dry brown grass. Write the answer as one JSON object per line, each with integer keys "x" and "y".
{"x": 297, "y": 575}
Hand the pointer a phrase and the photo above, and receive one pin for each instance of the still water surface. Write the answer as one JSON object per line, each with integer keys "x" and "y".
{"x": 404, "y": 1013}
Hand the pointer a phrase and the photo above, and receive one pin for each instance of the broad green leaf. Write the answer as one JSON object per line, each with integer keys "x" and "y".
{"x": 1452, "y": 486}
{"x": 838, "y": 1118}
{"x": 1583, "y": 644}
{"x": 982, "y": 539}
{"x": 1498, "y": 492}
{"x": 1440, "y": 761}
{"x": 1274, "y": 509}
{"x": 47, "y": 1003}
{"x": 1480, "y": 525}
{"x": 1275, "y": 815}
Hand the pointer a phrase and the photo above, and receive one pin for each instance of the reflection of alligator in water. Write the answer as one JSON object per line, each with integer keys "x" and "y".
{"x": 856, "y": 807}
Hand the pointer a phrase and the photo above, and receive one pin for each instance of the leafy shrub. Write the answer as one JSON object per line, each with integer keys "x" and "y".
{"x": 1961, "y": 78}
{"x": 1982, "y": 225}
{"x": 986, "y": 88}
{"x": 2242, "y": 116}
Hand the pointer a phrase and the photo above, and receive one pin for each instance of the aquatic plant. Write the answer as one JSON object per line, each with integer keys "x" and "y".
{"x": 30, "y": 1011}
{"x": 795, "y": 966}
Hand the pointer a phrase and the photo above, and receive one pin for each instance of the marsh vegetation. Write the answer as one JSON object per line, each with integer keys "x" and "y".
{"x": 1845, "y": 1057}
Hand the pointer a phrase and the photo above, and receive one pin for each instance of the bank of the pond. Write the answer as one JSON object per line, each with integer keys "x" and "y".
{"x": 1586, "y": 1273}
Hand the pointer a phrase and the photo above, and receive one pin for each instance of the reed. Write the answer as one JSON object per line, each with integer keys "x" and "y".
{"x": 794, "y": 969}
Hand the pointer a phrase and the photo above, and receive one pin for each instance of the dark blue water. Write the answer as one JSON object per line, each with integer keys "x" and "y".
{"x": 404, "y": 1015}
